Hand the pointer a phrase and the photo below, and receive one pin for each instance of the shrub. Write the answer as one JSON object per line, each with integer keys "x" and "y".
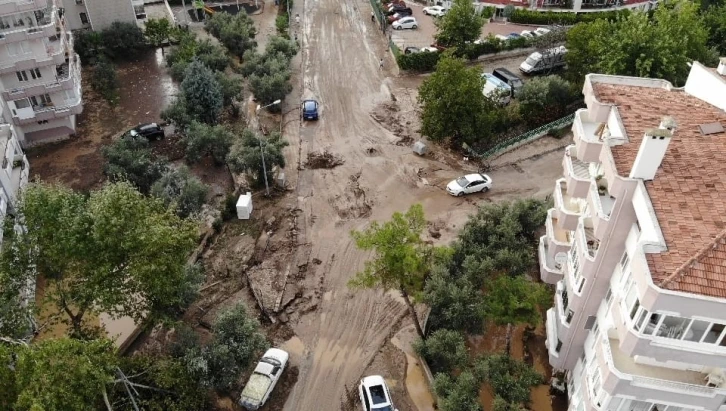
{"x": 87, "y": 44}
{"x": 202, "y": 139}
{"x": 180, "y": 189}
{"x": 229, "y": 207}
{"x": 488, "y": 12}
{"x": 131, "y": 160}
{"x": 550, "y": 17}
{"x": 236, "y": 32}
{"x": 123, "y": 40}
{"x": 444, "y": 350}
{"x": 244, "y": 156}
{"x": 176, "y": 114}
{"x": 418, "y": 61}
{"x": 282, "y": 22}
{"x": 202, "y": 92}
{"x": 459, "y": 393}
{"x": 105, "y": 81}
{"x": 545, "y": 99}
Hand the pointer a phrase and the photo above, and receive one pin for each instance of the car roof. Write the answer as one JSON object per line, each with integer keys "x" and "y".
{"x": 475, "y": 177}
{"x": 372, "y": 380}
{"x": 506, "y": 73}
{"x": 497, "y": 82}
{"x": 277, "y": 354}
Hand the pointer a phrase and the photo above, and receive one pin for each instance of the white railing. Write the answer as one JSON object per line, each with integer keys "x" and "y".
{"x": 569, "y": 164}
{"x": 599, "y": 212}
{"x": 550, "y": 230}
{"x": 72, "y": 74}
{"x": 582, "y": 240}
{"x": 33, "y": 29}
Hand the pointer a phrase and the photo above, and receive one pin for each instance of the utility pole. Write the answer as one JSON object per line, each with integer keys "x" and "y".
{"x": 262, "y": 151}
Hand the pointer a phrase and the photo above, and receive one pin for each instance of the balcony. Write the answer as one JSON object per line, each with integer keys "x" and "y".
{"x": 67, "y": 77}
{"x": 585, "y": 235}
{"x": 588, "y": 136}
{"x": 553, "y": 342}
{"x": 19, "y": 174}
{"x": 600, "y": 204}
{"x": 31, "y": 25}
{"x": 58, "y": 48}
{"x": 19, "y": 6}
{"x": 550, "y": 270}
{"x": 567, "y": 208}
{"x": 577, "y": 173}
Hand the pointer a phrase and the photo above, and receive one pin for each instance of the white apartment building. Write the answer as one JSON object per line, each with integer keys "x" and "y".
{"x": 99, "y": 14}
{"x": 40, "y": 76}
{"x": 636, "y": 245}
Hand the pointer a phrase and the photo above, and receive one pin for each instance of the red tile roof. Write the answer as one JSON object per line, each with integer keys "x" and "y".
{"x": 689, "y": 190}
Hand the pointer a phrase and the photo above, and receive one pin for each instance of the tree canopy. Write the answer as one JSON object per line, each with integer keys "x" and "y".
{"x": 113, "y": 251}
{"x": 158, "y": 31}
{"x": 545, "y": 99}
{"x": 453, "y": 104}
{"x": 130, "y": 159}
{"x": 202, "y": 139}
{"x": 444, "y": 350}
{"x": 510, "y": 379}
{"x": 202, "y": 93}
{"x": 245, "y": 156}
{"x": 460, "y": 393}
{"x": 460, "y": 25}
{"x": 635, "y": 45}
{"x": 180, "y": 189}
{"x": 237, "y": 32}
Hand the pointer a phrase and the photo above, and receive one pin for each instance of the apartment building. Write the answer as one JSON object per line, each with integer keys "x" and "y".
{"x": 636, "y": 246}
{"x": 40, "y": 76}
{"x": 99, "y": 14}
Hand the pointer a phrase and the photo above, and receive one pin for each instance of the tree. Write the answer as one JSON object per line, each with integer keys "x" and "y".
{"x": 202, "y": 139}
{"x": 245, "y": 156}
{"x": 401, "y": 257}
{"x": 105, "y": 81}
{"x": 181, "y": 190}
{"x": 280, "y": 45}
{"x": 230, "y": 86}
{"x": 455, "y": 302}
{"x": 87, "y": 44}
{"x": 236, "y": 32}
{"x": 514, "y": 300}
{"x": 123, "y": 40}
{"x": 636, "y": 46}
{"x": 510, "y": 379}
{"x": 177, "y": 114}
{"x": 714, "y": 19}
{"x": 272, "y": 87}
{"x": 158, "y": 31}
{"x": 461, "y": 24}
{"x": 56, "y": 374}
{"x": 500, "y": 404}
{"x": 130, "y": 159}
{"x": 202, "y": 93}
{"x": 453, "y": 105}
{"x": 444, "y": 350}
{"x": 121, "y": 253}
{"x": 459, "y": 393}
{"x": 545, "y": 99}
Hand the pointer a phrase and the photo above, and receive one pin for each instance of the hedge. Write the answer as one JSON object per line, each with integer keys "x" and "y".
{"x": 563, "y": 18}
{"x": 425, "y": 61}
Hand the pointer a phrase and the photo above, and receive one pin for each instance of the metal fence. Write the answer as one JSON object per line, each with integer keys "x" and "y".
{"x": 380, "y": 15}
{"x": 524, "y": 138}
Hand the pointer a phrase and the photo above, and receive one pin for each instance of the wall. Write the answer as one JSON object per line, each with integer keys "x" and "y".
{"x": 706, "y": 85}
{"x": 37, "y": 50}
{"x": 10, "y": 80}
{"x": 104, "y": 12}
{"x": 73, "y": 12}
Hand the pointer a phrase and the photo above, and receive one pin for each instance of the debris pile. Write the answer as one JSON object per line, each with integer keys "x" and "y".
{"x": 323, "y": 159}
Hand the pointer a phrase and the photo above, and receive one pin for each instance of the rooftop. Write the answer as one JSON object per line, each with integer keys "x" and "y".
{"x": 688, "y": 192}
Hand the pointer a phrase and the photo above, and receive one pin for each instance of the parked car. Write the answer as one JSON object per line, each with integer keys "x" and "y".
{"x": 470, "y": 183}
{"x": 411, "y": 50}
{"x": 513, "y": 36}
{"x": 405, "y": 23}
{"x": 150, "y": 131}
{"x": 501, "y": 37}
{"x": 496, "y": 89}
{"x": 309, "y": 110}
{"x": 396, "y": 8}
{"x": 526, "y": 33}
{"x": 399, "y": 15}
{"x": 541, "y": 31}
{"x": 430, "y": 49}
{"x": 546, "y": 60}
{"x": 374, "y": 394}
{"x": 436, "y": 11}
{"x": 510, "y": 78}
{"x": 263, "y": 379}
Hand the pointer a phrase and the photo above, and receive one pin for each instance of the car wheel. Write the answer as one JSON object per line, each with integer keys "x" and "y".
{"x": 414, "y": 26}
{"x": 485, "y": 189}
{"x": 398, "y": 28}
{"x": 460, "y": 193}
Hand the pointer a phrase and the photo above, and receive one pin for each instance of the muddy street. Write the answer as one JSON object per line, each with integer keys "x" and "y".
{"x": 342, "y": 330}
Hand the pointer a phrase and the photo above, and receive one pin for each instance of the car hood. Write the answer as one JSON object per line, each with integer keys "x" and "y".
{"x": 525, "y": 66}
{"x": 454, "y": 186}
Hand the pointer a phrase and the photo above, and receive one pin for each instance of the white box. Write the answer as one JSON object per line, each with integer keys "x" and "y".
{"x": 244, "y": 206}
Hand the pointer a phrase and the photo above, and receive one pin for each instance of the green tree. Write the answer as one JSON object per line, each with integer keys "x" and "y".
{"x": 236, "y": 32}
{"x": 500, "y": 404}
{"x": 202, "y": 139}
{"x": 510, "y": 379}
{"x": 87, "y": 44}
{"x": 278, "y": 44}
{"x": 401, "y": 257}
{"x": 17, "y": 312}
{"x": 202, "y": 93}
{"x": 123, "y": 40}
{"x": 177, "y": 114}
{"x": 231, "y": 87}
{"x": 545, "y": 99}
{"x": 57, "y": 374}
{"x": 122, "y": 254}
{"x": 454, "y": 301}
{"x": 461, "y": 24}
{"x": 714, "y": 19}
{"x": 453, "y": 105}
{"x": 514, "y": 300}
{"x": 638, "y": 46}
{"x": 459, "y": 393}
{"x": 245, "y": 155}
{"x": 272, "y": 87}
{"x": 130, "y": 159}
{"x": 105, "y": 81}
{"x": 181, "y": 190}
{"x": 158, "y": 31}
{"x": 444, "y": 350}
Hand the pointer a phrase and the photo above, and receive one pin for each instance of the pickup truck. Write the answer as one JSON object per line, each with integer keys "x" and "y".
{"x": 263, "y": 379}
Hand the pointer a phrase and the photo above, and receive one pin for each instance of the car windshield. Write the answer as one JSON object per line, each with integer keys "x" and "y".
{"x": 271, "y": 361}
{"x": 462, "y": 181}
{"x": 531, "y": 61}
{"x": 309, "y": 105}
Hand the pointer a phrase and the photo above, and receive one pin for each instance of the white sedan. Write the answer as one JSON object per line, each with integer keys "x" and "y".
{"x": 405, "y": 23}
{"x": 470, "y": 183}
{"x": 437, "y": 11}
{"x": 374, "y": 394}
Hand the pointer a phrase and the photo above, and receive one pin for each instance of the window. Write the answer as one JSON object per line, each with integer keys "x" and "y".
{"x": 84, "y": 18}
{"x": 35, "y": 73}
{"x": 624, "y": 261}
{"x": 640, "y": 319}
{"x": 697, "y": 330}
{"x": 558, "y": 347}
{"x": 673, "y": 327}
{"x": 22, "y": 75}
{"x": 79, "y": 1}
{"x": 17, "y": 48}
{"x": 632, "y": 303}
{"x": 713, "y": 334}
{"x": 41, "y": 100}
{"x": 21, "y": 103}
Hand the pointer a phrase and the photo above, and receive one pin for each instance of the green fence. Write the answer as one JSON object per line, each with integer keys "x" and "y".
{"x": 530, "y": 135}
{"x": 380, "y": 15}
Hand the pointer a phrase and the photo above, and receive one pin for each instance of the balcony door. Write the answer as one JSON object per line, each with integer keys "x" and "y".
{"x": 21, "y": 109}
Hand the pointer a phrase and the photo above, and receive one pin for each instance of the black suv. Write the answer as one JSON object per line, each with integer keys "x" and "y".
{"x": 150, "y": 131}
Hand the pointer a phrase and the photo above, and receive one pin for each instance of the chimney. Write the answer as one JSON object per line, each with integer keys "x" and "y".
{"x": 652, "y": 149}
{"x": 721, "y": 69}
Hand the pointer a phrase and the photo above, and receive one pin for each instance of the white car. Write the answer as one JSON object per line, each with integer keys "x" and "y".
{"x": 263, "y": 379}
{"x": 405, "y": 23}
{"x": 541, "y": 31}
{"x": 374, "y": 394}
{"x": 501, "y": 37}
{"x": 437, "y": 11}
{"x": 429, "y": 49}
{"x": 526, "y": 33}
{"x": 470, "y": 183}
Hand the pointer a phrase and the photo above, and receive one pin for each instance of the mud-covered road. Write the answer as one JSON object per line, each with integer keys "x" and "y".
{"x": 342, "y": 333}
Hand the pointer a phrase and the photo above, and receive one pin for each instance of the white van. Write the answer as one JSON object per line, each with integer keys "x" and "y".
{"x": 549, "y": 59}
{"x": 496, "y": 89}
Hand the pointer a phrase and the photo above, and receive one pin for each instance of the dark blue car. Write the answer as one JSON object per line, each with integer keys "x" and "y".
{"x": 310, "y": 110}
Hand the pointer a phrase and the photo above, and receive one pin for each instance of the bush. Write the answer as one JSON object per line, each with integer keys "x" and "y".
{"x": 244, "y": 156}
{"x": 176, "y": 114}
{"x": 123, "y": 40}
{"x": 236, "y": 32}
{"x": 282, "y": 22}
{"x": 105, "y": 81}
{"x": 87, "y": 44}
{"x": 545, "y": 99}
{"x": 229, "y": 207}
{"x": 418, "y": 61}
{"x": 202, "y": 139}
{"x": 444, "y": 350}
{"x": 180, "y": 189}
{"x": 551, "y": 17}
{"x": 488, "y": 12}
{"x": 202, "y": 93}
{"x": 459, "y": 393}
{"x": 131, "y": 160}
{"x": 231, "y": 87}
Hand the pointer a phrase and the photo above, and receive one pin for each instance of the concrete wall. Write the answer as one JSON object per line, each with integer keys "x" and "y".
{"x": 706, "y": 85}
{"x": 73, "y": 14}
{"x": 104, "y": 12}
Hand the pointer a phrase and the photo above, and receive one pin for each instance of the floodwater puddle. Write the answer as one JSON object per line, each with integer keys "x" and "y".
{"x": 294, "y": 346}
{"x": 416, "y": 384}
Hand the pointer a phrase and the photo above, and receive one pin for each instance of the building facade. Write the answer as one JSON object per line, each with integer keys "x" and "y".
{"x": 40, "y": 76}
{"x": 99, "y": 14}
{"x": 636, "y": 246}
{"x": 573, "y": 6}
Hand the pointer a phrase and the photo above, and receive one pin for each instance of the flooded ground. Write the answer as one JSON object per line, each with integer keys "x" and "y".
{"x": 145, "y": 90}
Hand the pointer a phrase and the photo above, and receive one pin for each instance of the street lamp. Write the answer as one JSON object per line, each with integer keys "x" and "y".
{"x": 262, "y": 152}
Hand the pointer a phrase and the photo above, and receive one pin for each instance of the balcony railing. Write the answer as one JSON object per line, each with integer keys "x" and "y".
{"x": 31, "y": 23}
{"x": 586, "y": 237}
{"x": 64, "y": 73}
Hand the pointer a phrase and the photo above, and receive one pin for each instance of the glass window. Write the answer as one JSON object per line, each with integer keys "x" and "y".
{"x": 624, "y": 260}
{"x": 713, "y": 334}
{"x": 673, "y": 327}
{"x": 35, "y": 73}
{"x": 22, "y": 75}
{"x": 84, "y": 18}
{"x": 697, "y": 330}
{"x": 652, "y": 324}
{"x": 641, "y": 319}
